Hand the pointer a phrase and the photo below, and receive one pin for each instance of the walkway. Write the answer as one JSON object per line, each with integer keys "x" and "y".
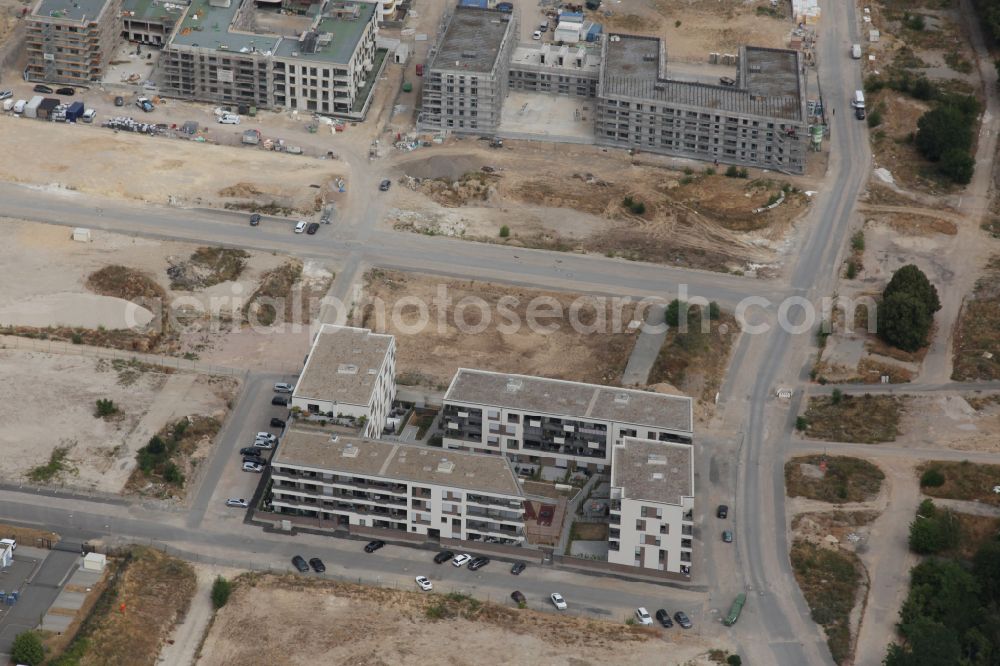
{"x": 647, "y": 348}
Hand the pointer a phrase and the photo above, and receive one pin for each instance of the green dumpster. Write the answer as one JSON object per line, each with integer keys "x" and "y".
{"x": 407, "y": 87}
{"x": 737, "y": 608}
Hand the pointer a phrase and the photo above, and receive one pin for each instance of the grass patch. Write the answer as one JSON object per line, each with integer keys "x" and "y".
{"x": 977, "y": 337}
{"x": 868, "y": 419}
{"x": 163, "y": 462}
{"x": 695, "y": 360}
{"x": 590, "y": 531}
{"x": 272, "y": 301}
{"x": 127, "y": 283}
{"x": 57, "y": 464}
{"x": 972, "y": 482}
{"x": 830, "y": 581}
{"x": 423, "y": 419}
{"x": 207, "y": 266}
{"x": 846, "y": 479}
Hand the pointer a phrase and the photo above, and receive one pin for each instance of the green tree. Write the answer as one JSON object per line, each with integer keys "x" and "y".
{"x": 904, "y": 322}
{"x": 734, "y": 660}
{"x": 105, "y": 408}
{"x": 504, "y": 231}
{"x": 941, "y": 129}
{"x": 957, "y": 165}
{"x": 986, "y": 567}
{"x": 172, "y": 474}
{"x": 155, "y": 445}
{"x": 933, "y": 533}
{"x": 930, "y": 644}
{"x": 27, "y": 649}
{"x": 672, "y": 315}
{"x": 910, "y": 279}
{"x": 932, "y": 478}
{"x": 221, "y": 589}
{"x": 714, "y": 312}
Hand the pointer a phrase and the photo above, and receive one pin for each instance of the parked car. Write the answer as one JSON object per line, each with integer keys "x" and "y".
{"x": 385, "y": 185}
{"x": 317, "y": 565}
{"x": 45, "y": 90}
{"x": 518, "y": 597}
{"x": 312, "y": 228}
{"x": 682, "y": 619}
{"x": 276, "y": 422}
{"x": 229, "y": 119}
{"x": 478, "y": 563}
{"x": 558, "y": 601}
{"x": 255, "y": 219}
{"x": 722, "y": 512}
{"x": 256, "y": 460}
{"x": 727, "y": 536}
{"x": 536, "y": 34}
{"x": 299, "y": 563}
{"x": 66, "y": 92}
{"x": 374, "y": 545}
{"x": 282, "y": 387}
{"x": 279, "y": 400}
{"x": 88, "y": 116}
{"x": 424, "y": 583}
{"x": 443, "y": 556}
{"x": 663, "y": 617}
{"x": 6, "y": 94}
{"x": 642, "y": 616}
{"x": 266, "y": 437}
{"x": 249, "y": 451}
{"x": 253, "y": 467}
{"x": 119, "y": 101}
{"x": 263, "y": 444}
{"x": 859, "y": 112}
{"x": 460, "y": 560}
{"x": 300, "y": 227}
{"x": 238, "y": 503}
{"x": 518, "y": 568}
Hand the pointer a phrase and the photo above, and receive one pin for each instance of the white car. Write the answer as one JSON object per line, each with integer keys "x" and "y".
{"x": 536, "y": 34}
{"x": 460, "y": 560}
{"x": 300, "y": 227}
{"x": 253, "y": 467}
{"x": 229, "y": 119}
{"x": 239, "y": 503}
{"x": 266, "y": 436}
{"x": 558, "y": 601}
{"x": 642, "y": 616}
{"x": 424, "y": 583}
{"x": 282, "y": 387}
{"x": 5, "y": 94}
{"x": 263, "y": 444}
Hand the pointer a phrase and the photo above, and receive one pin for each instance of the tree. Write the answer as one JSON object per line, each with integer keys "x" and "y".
{"x": 941, "y": 129}
{"x": 912, "y": 280}
{"x": 713, "y": 311}
{"x": 504, "y": 231}
{"x": 933, "y": 533}
{"x": 105, "y": 408}
{"x": 930, "y": 644}
{"x": 957, "y": 165}
{"x": 734, "y": 660}
{"x": 155, "y": 445}
{"x": 904, "y": 322}
{"x": 172, "y": 474}
{"x": 221, "y": 589}
{"x": 672, "y": 315}
{"x": 27, "y": 649}
{"x": 932, "y": 478}
{"x": 986, "y": 567}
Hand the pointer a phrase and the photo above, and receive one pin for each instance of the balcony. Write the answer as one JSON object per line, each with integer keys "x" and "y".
{"x": 685, "y": 543}
{"x": 493, "y": 528}
{"x": 506, "y": 516}
{"x": 494, "y": 501}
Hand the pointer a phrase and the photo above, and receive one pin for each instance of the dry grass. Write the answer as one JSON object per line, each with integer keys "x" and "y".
{"x": 207, "y": 266}
{"x": 272, "y": 301}
{"x": 124, "y": 339}
{"x": 27, "y": 536}
{"x": 182, "y": 439}
{"x": 972, "y": 482}
{"x": 845, "y": 479}
{"x": 868, "y": 419}
{"x": 695, "y": 361}
{"x": 973, "y": 532}
{"x": 977, "y": 335}
{"x": 128, "y": 283}
{"x": 589, "y": 531}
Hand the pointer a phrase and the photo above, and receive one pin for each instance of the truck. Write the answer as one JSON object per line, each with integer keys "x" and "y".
{"x": 74, "y": 112}
{"x": 856, "y": 51}
{"x": 31, "y": 108}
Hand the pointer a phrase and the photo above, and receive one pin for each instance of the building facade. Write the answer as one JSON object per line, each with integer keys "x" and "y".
{"x": 562, "y": 70}
{"x": 72, "y": 41}
{"x": 343, "y": 481}
{"x": 349, "y": 373}
{"x": 540, "y": 421}
{"x": 467, "y": 79}
{"x": 151, "y": 21}
{"x": 652, "y": 504}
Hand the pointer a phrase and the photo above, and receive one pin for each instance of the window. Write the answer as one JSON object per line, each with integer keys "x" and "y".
{"x": 640, "y": 525}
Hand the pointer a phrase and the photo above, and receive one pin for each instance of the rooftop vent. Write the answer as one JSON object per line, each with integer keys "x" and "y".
{"x": 514, "y": 385}
{"x": 446, "y": 466}
{"x": 350, "y": 451}
{"x": 621, "y": 398}
{"x": 468, "y": 54}
{"x": 656, "y": 459}
{"x": 657, "y": 476}
{"x": 347, "y": 369}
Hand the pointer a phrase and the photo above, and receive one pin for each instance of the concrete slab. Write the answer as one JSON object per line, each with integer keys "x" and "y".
{"x": 545, "y": 117}
{"x": 69, "y": 600}
{"x": 590, "y": 549}
{"x": 56, "y": 623}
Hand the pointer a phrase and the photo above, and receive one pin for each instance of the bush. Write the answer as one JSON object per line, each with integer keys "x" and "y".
{"x": 914, "y": 21}
{"x": 734, "y": 660}
{"x": 858, "y": 241}
{"x": 904, "y": 322}
{"x": 801, "y": 423}
{"x": 874, "y": 118}
{"x": 932, "y": 478}
{"x": 709, "y": 171}
{"x": 957, "y": 166}
{"x": 27, "y": 649}
{"x": 732, "y": 172}
{"x": 836, "y": 397}
{"x": 105, "y": 408}
{"x": 713, "y": 311}
{"x": 77, "y": 338}
{"x": 155, "y": 445}
{"x": 172, "y": 474}
{"x": 504, "y": 231}
{"x": 933, "y": 530}
{"x": 942, "y": 129}
{"x": 221, "y": 589}
{"x": 672, "y": 315}
{"x": 852, "y": 269}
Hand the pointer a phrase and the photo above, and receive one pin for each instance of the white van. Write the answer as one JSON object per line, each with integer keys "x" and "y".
{"x": 19, "y": 106}
{"x": 229, "y": 119}
{"x": 856, "y": 51}
{"x": 859, "y": 100}
{"x": 88, "y": 116}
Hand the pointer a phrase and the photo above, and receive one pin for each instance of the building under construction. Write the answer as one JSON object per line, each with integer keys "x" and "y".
{"x": 72, "y": 41}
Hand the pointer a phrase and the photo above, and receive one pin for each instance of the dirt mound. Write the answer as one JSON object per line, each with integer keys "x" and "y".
{"x": 240, "y": 190}
{"x": 207, "y": 266}
{"x": 442, "y": 166}
{"x": 274, "y": 295}
{"x": 473, "y": 187}
{"x": 128, "y": 283}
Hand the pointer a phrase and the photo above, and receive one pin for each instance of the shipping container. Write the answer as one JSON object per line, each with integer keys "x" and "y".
{"x": 481, "y": 4}
{"x": 31, "y": 110}
{"x": 74, "y": 112}
{"x": 47, "y": 107}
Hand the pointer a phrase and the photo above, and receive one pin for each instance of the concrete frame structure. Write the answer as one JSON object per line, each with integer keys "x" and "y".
{"x": 151, "y": 21}
{"x": 467, "y": 77}
{"x": 563, "y": 70}
{"x": 72, "y": 41}
{"x": 349, "y": 372}
{"x": 652, "y": 503}
{"x": 345, "y": 481}
{"x": 551, "y": 421}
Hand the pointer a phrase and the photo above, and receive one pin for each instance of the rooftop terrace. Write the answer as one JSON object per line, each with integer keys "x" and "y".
{"x": 473, "y": 39}
{"x": 154, "y": 10}
{"x": 78, "y": 11}
{"x": 653, "y": 471}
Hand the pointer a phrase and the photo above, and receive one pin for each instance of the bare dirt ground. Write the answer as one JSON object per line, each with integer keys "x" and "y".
{"x": 951, "y": 422}
{"x": 44, "y": 297}
{"x": 567, "y": 197}
{"x": 99, "y": 453}
{"x": 431, "y": 355}
{"x": 329, "y": 622}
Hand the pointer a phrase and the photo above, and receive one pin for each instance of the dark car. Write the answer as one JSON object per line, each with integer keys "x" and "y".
{"x": 478, "y": 563}
{"x": 299, "y": 563}
{"x": 249, "y": 451}
{"x": 67, "y": 92}
{"x": 722, "y": 512}
{"x": 663, "y": 617}
{"x": 317, "y": 565}
{"x": 859, "y": 112}
{"x": 119, "y": 101}
{"x": 45, "y": 90}
{"x": 682, "y": 619}
{"x": 280, "y": 400}
{"x": 256, "y": 460}
{"x": 518, "y": 597}
{"x": 518, "y": 568}
{"x": 374, "y": 545}
{"x": 727, "y": 536}
{"x": 277, "y": 423}
{"x": 385, "y": 185}
{"x": 255, "y": 219}
{"x": 312, "y": 228}
{"x": 443, "y": 556}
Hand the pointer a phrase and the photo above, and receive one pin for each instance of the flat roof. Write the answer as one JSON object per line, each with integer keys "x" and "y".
{"x": 154, "y": 10}
{"x": 653, "y": 471}
{"x": 209, "y": 26}
{"x": 481, "y": 472}
{"x": 767, "y": 79}
{"x": 81, "y": 11}
{"x": 585, "y": 401}
{"x": 343, "y": 365}
{"x": 530, "y": 55}
{"x": 345, "y": 30}
{"x": 473, "y": 39}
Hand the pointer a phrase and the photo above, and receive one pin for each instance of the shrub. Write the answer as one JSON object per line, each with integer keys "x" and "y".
{"x": 27, "y": 649}
{"x": 504, "y": 231}
{"x": 874, "y": 118}
{"x": 155, "y": 445}
{"x": 942, "y": 129}
{"x": 801, "y": 423}
{"x": 933, "y": 530}
{"x": 672, "y": 315}
{"x": 914, "y": 21}
{"x": 734, "y": 660}
{"x": 221, "y": 589}
{"x": 172, "y": 474}
{"x": 923, "y": 89}
{"x": 709, "y": 171}
{"x": 77, "y": 339}
{"x": 677, "y": 23}
{"x": 713, "y": 311}
{"x": 732, "y": 172}
{"x": 932, "y": 478}
{"x": 837, "y": 396}
{"x": 957, "y": 166}
{"x": 852, "y": 269}
{"x": 105, "y": 408}
{"x": 688, "y": 171}
{"x": 858, "y": 241}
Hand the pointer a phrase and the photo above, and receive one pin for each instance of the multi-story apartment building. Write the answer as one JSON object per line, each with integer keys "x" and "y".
{"x": 563, "y": 70}
{"x": 555, "y": 422}
{"x": 350, "y": 372}
{"x": 340, "y": 481}
{"x": 758, "y": 121}
{"x": 652, "y": 501}
{"x": 466, "y": 82}
{"x": 329, "y": 69}
{"x": 72, "y": 41}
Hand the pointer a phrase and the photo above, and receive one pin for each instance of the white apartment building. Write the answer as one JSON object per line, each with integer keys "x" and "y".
{"x": 555, "y": 422}
{"x": 652, "y": 499}
{"x": 334, "y": 482}
{"x": 350, "y": 372}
